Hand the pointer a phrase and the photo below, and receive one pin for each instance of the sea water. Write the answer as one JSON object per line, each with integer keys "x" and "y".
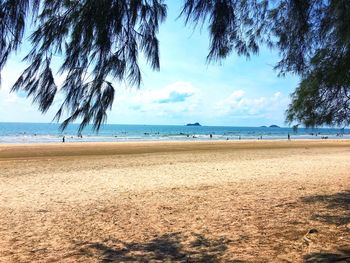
{"x": 50, "y": 132}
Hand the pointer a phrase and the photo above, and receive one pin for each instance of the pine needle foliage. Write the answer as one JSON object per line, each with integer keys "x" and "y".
{"x": 313, "y": 40}
{"x": 99, "y": 41}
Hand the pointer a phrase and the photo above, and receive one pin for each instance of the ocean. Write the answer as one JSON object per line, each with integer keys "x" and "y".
{"x": 50, "y": 132}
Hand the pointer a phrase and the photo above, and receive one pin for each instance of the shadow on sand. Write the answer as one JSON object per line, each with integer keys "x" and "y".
{"x": 337, "y": 213}
{"x": 169, "y": 247}
{"x": 342, "y": 256}
{"x": 177, "y": 247}
{"x": 338, "y": 204}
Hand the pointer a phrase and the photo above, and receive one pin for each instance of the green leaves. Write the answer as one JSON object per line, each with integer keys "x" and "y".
{"x": 233, "y": 25}
{"x": 99, "y": 42}
{"x": 323, "y": 96}
{"x": 315, "y": 104}
{"x": 312, "y": 37}
{"x": 38, "y": 82}
{"x": 92, "y": 105}
{"x": 13, "y": 14}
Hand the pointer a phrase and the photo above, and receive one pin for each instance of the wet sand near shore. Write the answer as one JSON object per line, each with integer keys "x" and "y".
{"x": 237, "y": 201}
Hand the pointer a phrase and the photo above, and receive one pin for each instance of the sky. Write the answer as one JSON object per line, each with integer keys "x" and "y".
{"x": 234, "y": 92}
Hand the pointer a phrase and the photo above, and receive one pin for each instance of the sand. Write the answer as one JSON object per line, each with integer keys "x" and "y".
{"x": 259, "y": 201}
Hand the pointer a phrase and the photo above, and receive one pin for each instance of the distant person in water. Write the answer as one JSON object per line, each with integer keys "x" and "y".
{"x": 64, "y": 139}
{"x": 288, "y": 136}
{"x": 211, "y": 136}
{"x": 239, "y": 138}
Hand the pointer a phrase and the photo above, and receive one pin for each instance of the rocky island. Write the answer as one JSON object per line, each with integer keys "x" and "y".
{"x": 193, "y": 124}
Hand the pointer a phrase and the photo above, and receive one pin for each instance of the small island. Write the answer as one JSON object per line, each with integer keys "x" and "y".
{"x": 274, "y": 126}
{"x": 193, "y": 124}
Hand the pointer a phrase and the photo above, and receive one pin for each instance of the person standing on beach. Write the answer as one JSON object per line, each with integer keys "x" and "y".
{"x": 63, "y": 139}
{"x": 288, "y": 136}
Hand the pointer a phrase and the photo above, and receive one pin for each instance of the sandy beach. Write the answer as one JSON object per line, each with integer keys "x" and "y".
{"x": 228, "y": 201}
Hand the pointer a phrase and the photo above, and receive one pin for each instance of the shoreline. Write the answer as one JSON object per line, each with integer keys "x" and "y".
{"x": 202, "y": 138}
{"x": 126, "y": 140}
{"x": 71, "y": 149}
{"x": 49, "y": 133}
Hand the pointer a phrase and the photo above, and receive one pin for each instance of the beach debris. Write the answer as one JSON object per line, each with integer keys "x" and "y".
{"x": 312, "y": 231}
{"x": 43, "y": 211}
{"x": 306, "y": 237}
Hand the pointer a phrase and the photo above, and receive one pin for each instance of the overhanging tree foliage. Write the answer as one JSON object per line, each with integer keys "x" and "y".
{"x": 312, "y": 37}
{"x": 323, "y": 96}
{"x": 100, "y": 41}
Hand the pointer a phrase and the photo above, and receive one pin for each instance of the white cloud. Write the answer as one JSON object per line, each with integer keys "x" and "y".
{"x": 161, "y": 106}
{"x": 237, "y": 94}
{"x": 156, "y": 95}
{"x": 239, "y": 104}
{"x": 177, "y": 97}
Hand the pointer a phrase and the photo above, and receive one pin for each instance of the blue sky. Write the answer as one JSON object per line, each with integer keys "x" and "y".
{"x": 235, "y": 92}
